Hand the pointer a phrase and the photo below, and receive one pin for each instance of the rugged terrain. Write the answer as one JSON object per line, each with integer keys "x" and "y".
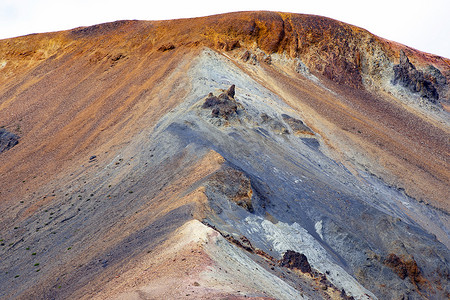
{"x": 255, "y": 155}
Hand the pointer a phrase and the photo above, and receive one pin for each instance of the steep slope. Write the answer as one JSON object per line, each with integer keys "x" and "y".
{"x": 184, "y": 158}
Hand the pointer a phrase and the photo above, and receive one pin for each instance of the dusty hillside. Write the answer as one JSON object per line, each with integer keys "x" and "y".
{"x": 184, "y": 158}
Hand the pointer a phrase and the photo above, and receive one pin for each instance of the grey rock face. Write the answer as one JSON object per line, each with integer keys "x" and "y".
{"x": 434, "y": 75}
{"x": 274, "y": 125}
{"x": 7, "y": 140}
{"x": 406, "y": 74}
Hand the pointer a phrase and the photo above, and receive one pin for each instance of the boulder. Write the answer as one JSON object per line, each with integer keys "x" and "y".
{"x": 295, "y": 260}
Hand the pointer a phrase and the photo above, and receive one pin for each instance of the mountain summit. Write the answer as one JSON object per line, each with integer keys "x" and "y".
{"x": 260, "y": 155}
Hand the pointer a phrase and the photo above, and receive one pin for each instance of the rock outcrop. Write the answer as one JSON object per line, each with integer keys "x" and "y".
{"x": 406, "y": 74}
{"x": 295, "y": 260}
{"x": 274, "y": 124}
{"x": 233, "y": 185}
{"x": 297, "y": 126}
{"x": 404, "y": 268}
{"x": 7, "y": 140}
{"x": 223, "y": 106}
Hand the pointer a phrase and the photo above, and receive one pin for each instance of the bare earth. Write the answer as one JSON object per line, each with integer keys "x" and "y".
{"x": 119, "y": 179}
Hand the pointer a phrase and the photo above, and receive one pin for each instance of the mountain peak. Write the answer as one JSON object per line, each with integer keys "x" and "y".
{"x": 250, "y": 154}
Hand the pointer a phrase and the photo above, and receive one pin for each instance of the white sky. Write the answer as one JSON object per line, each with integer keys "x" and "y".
{"x": 424, "y": 25}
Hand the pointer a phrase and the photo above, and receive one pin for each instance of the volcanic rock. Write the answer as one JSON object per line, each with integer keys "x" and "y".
{"x": 406, "y": 74}
{"x": 222, "y": 106}
{"x": 232, "y": 184}
{"x": 7, "y": 140}
{"x": 295, "y": 260}
{"x": 231, "y": 91}
{"x": 404, "y": 268}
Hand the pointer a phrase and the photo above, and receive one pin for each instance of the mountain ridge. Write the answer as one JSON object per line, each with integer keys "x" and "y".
{"x": 240, "y": 136}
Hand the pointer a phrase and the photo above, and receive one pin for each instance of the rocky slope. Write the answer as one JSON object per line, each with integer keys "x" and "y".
{"x": 258, "y": 154}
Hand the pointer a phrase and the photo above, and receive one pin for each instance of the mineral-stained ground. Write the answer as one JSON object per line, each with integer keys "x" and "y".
{"x": 254, "y": 155}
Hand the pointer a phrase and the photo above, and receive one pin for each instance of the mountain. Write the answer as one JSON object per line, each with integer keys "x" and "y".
{"x": 260, "y": 155}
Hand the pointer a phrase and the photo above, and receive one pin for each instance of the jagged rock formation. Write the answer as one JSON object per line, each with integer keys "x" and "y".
{"x": 233, "y": 185}
{"x": 406, "y": 75}
{"x": 295, "y": 260}
{"x": 217, "y": 157}
{"x": 222, "y": 106}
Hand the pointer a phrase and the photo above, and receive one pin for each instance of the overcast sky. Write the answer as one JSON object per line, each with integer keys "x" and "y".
{"x": 424, "y": 25}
